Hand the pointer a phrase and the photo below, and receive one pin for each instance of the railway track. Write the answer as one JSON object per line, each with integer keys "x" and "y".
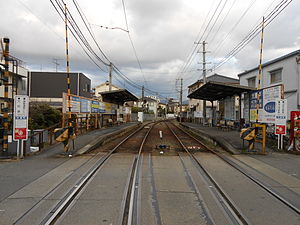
{"x": 187, "y": 141}
{"x": 57, "y": 212}
{"x": 146, "y": 178}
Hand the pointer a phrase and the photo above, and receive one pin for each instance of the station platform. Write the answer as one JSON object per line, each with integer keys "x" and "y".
{"x": 228, "y": 139}
{"x": 18, "y": 173}
{"x": 273, "y": 162}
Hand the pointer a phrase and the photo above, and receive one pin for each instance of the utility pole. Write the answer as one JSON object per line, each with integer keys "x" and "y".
{"x": 203, "y": 73}
{"x": 180, "y": 115}
{"x": 204, "y": 77}
{"x": 143, "y": 95}
{"x": 110, "y": 76}
{"x": 55, "y": 62}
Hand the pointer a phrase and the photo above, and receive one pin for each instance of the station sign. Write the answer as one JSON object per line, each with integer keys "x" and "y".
{"x": 281, "y": 116}
{"x": 21, "y": 108}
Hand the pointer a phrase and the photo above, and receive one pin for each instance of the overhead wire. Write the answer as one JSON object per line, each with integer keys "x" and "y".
{"x": 222, "y": 22}
{"x": 77, "y": 40}
{"x": 85, "y": 21}
{"x": 268, "y": 19}
{"x": 78, "y": 34}
{"x": 211, "y": 28}
{"x": 192, "y": 55}
{"x": 234, "y": 26}
{"x": 131, "y": 42}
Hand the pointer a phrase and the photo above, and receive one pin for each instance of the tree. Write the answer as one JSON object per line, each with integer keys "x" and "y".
{"x": 42, "y": 116}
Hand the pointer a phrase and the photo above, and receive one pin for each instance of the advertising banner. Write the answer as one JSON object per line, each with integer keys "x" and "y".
{"x": 85, "y": 106}
{"x": 267, "y": 101}
{"x": 75, "y": 104}
{"x": 95, "y": 107}
{"x": 101, "y": 107}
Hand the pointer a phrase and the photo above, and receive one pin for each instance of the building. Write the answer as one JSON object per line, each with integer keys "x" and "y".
{"x": 284, "y": 71}
{"x": 103, "y": 88}
{"x": 150, "y": 105}
{"x": 48, "y": 87}
{"x": 18, "y": 77}
{"x": 195, "y": 106}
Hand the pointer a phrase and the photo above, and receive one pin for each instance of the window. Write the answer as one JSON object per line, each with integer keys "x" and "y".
{"x": 276, "y": 76}
{"x": 252, "y": 82}
{"x": 87, "y": 88}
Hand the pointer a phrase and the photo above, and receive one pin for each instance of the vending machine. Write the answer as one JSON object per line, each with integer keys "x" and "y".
{"x": 295, "y": 130}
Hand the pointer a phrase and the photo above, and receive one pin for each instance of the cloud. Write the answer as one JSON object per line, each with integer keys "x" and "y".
{"x": 163, "y": 33}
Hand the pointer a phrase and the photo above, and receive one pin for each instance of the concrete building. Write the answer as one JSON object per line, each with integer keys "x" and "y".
{"x": 47, "y": 87}
{"x": 18, "y": 77}
{"x": 280, "y": 71}
{"x": 104, "y": 87}
{"x": 149, "y": 104}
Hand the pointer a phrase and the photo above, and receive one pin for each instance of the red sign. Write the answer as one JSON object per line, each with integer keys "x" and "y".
{"x": 20, "y": 133}
{"x": 280, "y": 129}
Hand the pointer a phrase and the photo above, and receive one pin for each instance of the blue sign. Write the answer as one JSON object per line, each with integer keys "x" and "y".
{"x": 85, "y": 106}
{"x": 95, "y": 107}
{"x": 270, "y": 107}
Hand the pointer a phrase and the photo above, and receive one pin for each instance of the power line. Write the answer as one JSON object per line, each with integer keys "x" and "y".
{"x": 131, "y": 42}
{"x": 216, "y": 20}
{"x": 192, "y": 55}
{"x": 77, "y": 34}
{"x": 234, "y": 26}
{"x": 223, "y": 20}
{"x": 85, "y": 21}
{"x": 269, "y": 18}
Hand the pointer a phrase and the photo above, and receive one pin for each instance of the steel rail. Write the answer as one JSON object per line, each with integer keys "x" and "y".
{"x": 236, "y": 212}
{"x": 237, "y": 167}
{"x": 66, "y": 201}
{"x": 134, "y": 181}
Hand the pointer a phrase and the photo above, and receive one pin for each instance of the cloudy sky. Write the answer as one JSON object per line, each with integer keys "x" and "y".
{"x": 163, "y": 33}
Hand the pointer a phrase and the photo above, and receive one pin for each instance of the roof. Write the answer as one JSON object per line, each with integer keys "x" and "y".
{"x": 107, "y": 84}
{"x": 213, "y": 90}
{"x": 218, "y": 78}
{"x": 272, "y": 61}
{"x": 118, "y": 96}
{"x": 149, "y": 99}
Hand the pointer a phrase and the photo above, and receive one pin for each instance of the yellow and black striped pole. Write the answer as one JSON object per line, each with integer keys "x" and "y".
{"x": 260, "y": 68}
{"x": 68, "y": 75}
{"x": 251, "y": 146}
{"x": 6, "y": 108}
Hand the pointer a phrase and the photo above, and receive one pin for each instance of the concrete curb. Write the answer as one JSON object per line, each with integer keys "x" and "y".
{"x": 103, "y": 139}
{"x": 213, "y": 140}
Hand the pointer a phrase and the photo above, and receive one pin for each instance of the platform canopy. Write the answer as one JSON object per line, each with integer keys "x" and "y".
{"x": 213, "y": 90}
{"x": 118, "y": 96}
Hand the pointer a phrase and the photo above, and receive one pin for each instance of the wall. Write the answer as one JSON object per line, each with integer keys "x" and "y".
{"x": 52, "y": 84}
{"x": 290, "y": 80}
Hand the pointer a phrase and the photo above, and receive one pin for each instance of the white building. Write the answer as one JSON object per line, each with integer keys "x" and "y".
{"x": 104, "y": 87}
{"x": 149, "y": 104}
{"x": 18, "y": 77}
{"x": 280, "y": 71}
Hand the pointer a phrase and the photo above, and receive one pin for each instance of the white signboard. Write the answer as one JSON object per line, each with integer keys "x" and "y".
{"x": 281, "y": 116}
{"x": 198, "y": 114}
{"x": 268, "y": 97}
{"x": 21, "y": 105}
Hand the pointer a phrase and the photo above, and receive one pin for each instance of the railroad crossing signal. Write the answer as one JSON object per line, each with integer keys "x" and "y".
{"x": 64, "y": 135}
